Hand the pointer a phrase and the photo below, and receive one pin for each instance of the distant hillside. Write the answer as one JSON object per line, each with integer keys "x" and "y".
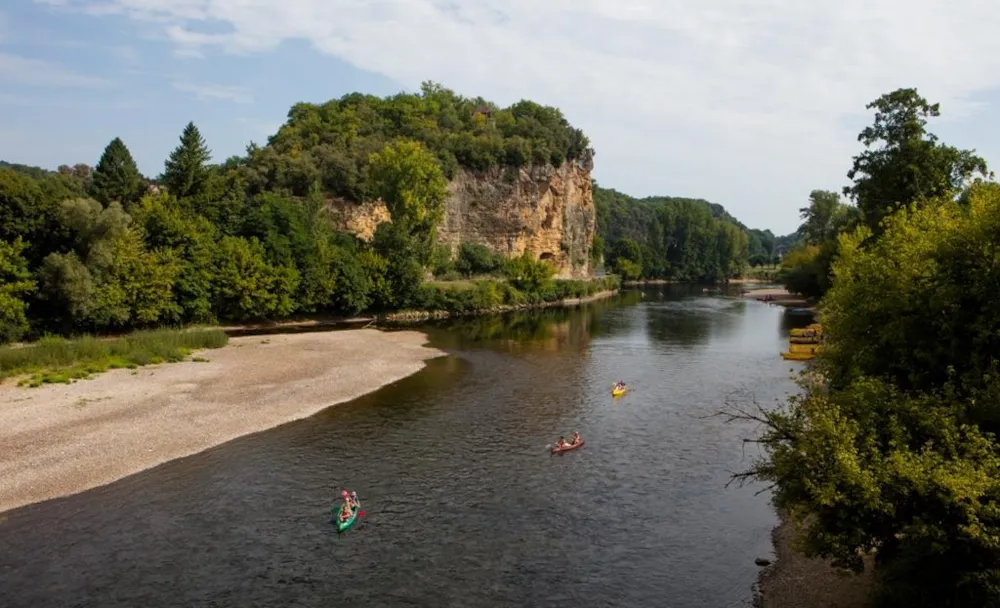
{"x": 675, "y": 236}
{"x": 669, "y": 237}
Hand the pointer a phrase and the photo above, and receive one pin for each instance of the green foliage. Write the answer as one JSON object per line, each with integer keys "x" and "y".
{"x": 893, "y": 444}
{"x": 477, "y": 260}
{"x": 407, "y": 178}
{"x": 761, "y": 248}
{"x": 825, "y": 217}
{"x": 116, "y": 176}
{"x": 247, "y": 287}
{"x": 806, "y": 268}
{"x": 527, "y": 274}
{"x": 15, "y": 284}
{"x": 669, "y": 238}
{"x": 251, "y": 237}
{"x": 186, "y": 172}
{"x": 109, "y": 280}
{"x": 332, "y": 142}
{"x": 908, "y": 165}
{"x": 485, "y": 295}
{"x": 54, "y": 359}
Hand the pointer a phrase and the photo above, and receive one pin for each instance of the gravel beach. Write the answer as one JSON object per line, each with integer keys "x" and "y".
{"x": 61, "y": 439}
{"x": 797, "y": 581}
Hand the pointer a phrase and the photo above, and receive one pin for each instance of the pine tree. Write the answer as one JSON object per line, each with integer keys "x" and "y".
{"x": 116, "y": 176}
{"x": 186, "y": 169}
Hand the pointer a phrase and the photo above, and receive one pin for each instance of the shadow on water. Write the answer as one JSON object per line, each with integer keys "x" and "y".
{"x": 464, "y": 502}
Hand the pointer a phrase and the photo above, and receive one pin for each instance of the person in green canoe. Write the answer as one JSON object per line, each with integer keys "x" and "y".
{"x": 346, "y": 512}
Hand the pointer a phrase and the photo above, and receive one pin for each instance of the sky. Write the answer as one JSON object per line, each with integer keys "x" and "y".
{"x": 751, "y": 104}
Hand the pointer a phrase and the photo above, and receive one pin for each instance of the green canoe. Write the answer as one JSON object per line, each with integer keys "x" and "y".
{"x": 343, "y": 525}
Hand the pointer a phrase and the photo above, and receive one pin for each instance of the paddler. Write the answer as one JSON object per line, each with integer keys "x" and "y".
{"x": 575, "y": 439}
{"x": 346, "y": 512}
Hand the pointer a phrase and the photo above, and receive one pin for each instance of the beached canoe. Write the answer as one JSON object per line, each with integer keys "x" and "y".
{"x": 558, "y": 450}
{"x": 343, "y": 525}
{"x": 792, "y": 356}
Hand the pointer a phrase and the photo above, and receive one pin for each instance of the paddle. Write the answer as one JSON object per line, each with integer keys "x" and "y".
{"x": 344, "y": 494}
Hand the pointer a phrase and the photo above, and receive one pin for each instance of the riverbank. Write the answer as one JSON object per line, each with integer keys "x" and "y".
{"x": 57, "y": 440}
{"x": 779, "y": 297}
{"x": 417, "y": 316}
{"x": 797, "y": 581}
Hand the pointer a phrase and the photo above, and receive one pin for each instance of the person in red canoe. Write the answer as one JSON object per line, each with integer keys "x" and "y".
{"x": 575, "y": 439}
{"x": 562, "y": 443}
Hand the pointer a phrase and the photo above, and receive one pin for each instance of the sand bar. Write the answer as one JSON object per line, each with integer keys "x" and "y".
{"x": 61, "y": 439}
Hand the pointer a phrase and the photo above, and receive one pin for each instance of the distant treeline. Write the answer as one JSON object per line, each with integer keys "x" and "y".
{"x": 682, "y": 239}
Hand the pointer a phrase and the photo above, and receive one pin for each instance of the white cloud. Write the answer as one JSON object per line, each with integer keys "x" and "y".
{"x": 215, "y": 91}
{"x": 127, "y": 55}
{"x": 17, "y": 70}
{"x": 748, "y": 97}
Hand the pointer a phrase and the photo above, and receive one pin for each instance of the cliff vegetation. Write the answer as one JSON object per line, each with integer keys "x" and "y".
{"x": 350, "y": 207}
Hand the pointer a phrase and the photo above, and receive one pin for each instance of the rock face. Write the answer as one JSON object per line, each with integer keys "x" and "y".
{"x": 546, "y": 211}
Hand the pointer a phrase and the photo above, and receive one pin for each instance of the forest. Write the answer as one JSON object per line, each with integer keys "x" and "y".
{"x": 889, "y": 456}
{"x": 105, "y": 249}
{"x": 680, "y": 239}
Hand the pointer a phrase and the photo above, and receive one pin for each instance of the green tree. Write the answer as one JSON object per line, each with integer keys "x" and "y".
{"x": 168, "y": 226}
{"x": 892, "y": 447}
{"x": 247, "y": 287}
{"x": 15, "y": 284}
{"x": 186, "y": 170}
{"x": 397, "y": 268}
{"x": 903, "y": 163}
{"x": 116, "y": 177}
{"x": 528, "y": 274}
{"x": 409, "y": 180}
{"x": 824, "y": 217}
{"x": 477, "y": 259}
{"x": 109, "y": 280}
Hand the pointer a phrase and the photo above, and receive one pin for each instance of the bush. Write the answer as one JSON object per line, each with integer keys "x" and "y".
{"x": 475, "y": 259}
{"x": 527, "y": 274}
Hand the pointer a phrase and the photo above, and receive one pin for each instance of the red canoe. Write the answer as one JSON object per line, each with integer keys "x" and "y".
{"x": 557, "y": 449}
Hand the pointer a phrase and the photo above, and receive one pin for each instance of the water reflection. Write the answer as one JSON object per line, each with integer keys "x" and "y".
{"x": 465, "y": 504}
{"x": 547, "y": 329}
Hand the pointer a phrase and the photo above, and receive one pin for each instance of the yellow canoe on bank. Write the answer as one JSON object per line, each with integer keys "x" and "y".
{"x": 797, "y": 356}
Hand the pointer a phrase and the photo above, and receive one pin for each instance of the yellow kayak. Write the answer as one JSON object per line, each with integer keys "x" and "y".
{"x": 793, "y": 356}
{"x": 618, "y": 392}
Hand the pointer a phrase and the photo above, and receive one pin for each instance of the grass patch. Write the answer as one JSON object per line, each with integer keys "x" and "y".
{"x": 54, "y": 360}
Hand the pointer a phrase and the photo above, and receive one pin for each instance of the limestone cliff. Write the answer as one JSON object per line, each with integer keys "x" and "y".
{"x": 546, "y": 211}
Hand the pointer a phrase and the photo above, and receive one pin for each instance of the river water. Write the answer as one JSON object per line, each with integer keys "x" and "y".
{"x": 463, "y": 503}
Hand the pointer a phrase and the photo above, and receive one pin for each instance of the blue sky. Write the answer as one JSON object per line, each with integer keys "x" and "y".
{"x": 747, "y": 103}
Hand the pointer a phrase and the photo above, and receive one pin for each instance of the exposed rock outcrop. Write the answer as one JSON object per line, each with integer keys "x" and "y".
{"x": 544, "y": 210}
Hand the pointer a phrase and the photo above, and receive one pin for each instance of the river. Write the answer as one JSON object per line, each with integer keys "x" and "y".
{"x": 463, "y": 502}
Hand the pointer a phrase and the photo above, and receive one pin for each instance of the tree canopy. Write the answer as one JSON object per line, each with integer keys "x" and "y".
{"x": 902, "y": 163}
{"x": 670, "y": 238}
{"x": 332, "y": 142}
{"x": 892, "y": 445}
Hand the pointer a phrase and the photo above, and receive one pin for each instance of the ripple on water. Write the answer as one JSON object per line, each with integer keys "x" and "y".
{"x": 464, "y": 503}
